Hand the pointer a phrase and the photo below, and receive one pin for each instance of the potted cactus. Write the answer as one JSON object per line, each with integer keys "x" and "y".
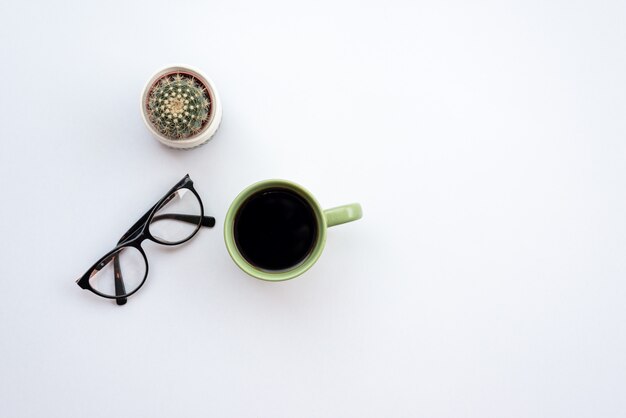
{"x": 181, "y": 107}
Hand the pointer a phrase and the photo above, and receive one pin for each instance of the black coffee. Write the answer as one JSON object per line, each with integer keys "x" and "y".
{"x": 275, "y": 229}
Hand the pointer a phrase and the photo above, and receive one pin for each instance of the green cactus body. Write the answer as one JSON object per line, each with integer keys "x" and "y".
{"x": 178, "y": 106}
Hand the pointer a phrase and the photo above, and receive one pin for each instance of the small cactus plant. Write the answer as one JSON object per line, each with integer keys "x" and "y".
{"x": 178, "y": 106}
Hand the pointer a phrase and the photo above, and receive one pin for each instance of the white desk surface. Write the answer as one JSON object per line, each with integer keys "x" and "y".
{"x": 485, "y": 140}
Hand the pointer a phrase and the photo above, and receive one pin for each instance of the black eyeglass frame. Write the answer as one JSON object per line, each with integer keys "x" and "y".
{"x": 139, "y": 232}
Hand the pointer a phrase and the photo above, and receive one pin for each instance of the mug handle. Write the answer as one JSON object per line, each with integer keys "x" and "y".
{"x": 342, "y": 214}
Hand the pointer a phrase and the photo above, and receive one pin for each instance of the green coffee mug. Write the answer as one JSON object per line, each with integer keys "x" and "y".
{"x": 252, "y": 221}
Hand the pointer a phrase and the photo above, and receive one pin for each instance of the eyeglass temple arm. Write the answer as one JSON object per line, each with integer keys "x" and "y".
{"x": 207, "y": 221}
{"x": 120, "y": 289}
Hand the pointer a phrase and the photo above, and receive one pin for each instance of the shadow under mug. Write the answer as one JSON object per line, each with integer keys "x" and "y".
{"x": 323, "y": 218}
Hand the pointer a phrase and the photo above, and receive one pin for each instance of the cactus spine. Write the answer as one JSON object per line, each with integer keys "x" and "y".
{"x": 178, "y": 106}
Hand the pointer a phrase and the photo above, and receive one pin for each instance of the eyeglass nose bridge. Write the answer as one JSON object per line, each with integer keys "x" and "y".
{"x": 136, "y": 237}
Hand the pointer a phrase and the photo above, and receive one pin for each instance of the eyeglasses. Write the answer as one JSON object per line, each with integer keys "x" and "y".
{"x": 173, "y": 220}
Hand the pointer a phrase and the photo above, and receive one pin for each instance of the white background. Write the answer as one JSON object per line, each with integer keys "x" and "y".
{"x": 485, "y": 140}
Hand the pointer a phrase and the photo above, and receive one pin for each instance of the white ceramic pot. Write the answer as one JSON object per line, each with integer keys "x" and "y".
{"x": 215, "y": 108}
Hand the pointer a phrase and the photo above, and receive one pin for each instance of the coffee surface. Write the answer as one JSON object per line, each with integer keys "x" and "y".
{"x": 275, "y": 229}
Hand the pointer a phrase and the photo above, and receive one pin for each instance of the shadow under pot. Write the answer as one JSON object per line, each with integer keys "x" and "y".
{"x": 180, "y": 107}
